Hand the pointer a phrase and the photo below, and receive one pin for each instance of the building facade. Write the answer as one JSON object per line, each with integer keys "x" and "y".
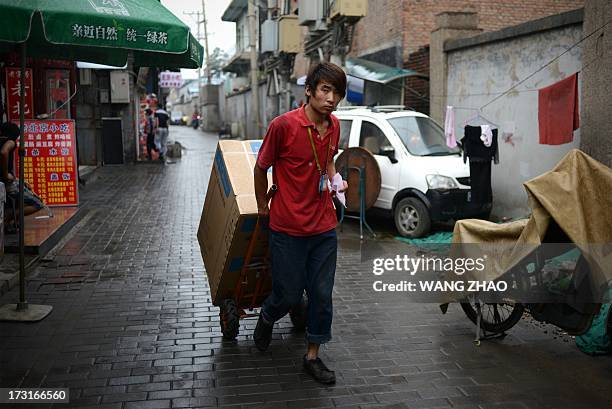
{"x": 184, "y": 99}
{"x": 396, "y": 32}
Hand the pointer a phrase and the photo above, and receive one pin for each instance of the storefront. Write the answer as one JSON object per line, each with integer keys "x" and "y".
{"x": 50, "y": 163}
{"x": 50, "y": 84}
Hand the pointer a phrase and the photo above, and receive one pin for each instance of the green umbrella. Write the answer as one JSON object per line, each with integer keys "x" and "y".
{"x": 99, "y": 31}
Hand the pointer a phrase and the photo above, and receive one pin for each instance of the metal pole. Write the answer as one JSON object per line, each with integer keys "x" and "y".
{"x": 22, "y": 311}
{"x": 22, "y": 304}
{"x": 253, "y": 55}
{"x": 208, "y": 75}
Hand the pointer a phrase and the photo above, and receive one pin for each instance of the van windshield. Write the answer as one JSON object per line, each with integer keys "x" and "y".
{"x": 422, "y": 136}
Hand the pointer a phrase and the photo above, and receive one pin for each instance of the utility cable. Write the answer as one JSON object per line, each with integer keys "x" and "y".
{"x": 548, "y": 63}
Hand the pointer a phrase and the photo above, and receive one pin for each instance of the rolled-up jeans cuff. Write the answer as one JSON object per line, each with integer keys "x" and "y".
{"x": 318, "y": 339}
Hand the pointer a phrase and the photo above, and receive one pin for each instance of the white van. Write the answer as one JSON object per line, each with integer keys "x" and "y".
{"x": 423, "y": 180}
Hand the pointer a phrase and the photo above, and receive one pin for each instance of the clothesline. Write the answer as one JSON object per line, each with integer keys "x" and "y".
{"x": 530, "y": 90}
{"x": 416, "y": 94}
{"x": 547, "y": 64}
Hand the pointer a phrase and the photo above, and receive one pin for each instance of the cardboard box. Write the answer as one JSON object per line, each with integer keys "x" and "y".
{"x": 228, "y": 222}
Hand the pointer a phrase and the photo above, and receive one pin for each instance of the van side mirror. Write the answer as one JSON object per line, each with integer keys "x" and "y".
{"x": 389, "y": 152}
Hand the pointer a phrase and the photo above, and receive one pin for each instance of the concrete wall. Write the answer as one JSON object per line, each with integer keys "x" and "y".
{"x": 480, "y": 68}
{"x": 449, "y": 25}
{"x": 209, "y": 106}
{"x": 597, "y": 82}
{"x": 239, "y": 112}
{"x": 237, "y": 108}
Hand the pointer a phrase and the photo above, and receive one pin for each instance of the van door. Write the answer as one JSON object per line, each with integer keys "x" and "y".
{"x": 372, "y": 138}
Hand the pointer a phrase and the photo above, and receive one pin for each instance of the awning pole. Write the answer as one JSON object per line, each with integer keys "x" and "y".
{"x": 22, "y": 304}
{"x": 22, "y": 311}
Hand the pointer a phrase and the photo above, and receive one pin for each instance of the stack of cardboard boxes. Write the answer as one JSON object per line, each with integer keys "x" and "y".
{"x": 228, "y": 222}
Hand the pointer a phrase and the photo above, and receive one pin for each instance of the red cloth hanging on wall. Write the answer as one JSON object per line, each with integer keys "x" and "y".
{"x": 558, "y": 111}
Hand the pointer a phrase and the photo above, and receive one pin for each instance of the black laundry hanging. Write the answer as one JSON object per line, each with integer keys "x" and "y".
{"x": 480, "y": 182}
{"x": 480, "y": 157}
{"x": 475, "y": 149}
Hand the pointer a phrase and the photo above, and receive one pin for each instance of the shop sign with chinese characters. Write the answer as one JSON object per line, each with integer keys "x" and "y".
{"x": 50, "y": 161}
{"x": 169, "y": 79}
{"x": 13, "y": 88}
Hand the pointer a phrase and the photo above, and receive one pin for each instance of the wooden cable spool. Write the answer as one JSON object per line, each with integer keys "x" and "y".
{"x": 347, "y": 164}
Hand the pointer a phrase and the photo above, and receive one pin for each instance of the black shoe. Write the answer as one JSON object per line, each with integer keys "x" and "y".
{"x": 317, "y": 369}
{"x": 262, "y": 334}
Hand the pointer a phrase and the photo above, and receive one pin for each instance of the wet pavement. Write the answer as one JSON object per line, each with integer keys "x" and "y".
{"x": 133, "y": 326}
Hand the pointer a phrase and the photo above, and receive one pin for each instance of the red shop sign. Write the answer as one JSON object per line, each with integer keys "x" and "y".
{"x": 50, "y": 162}
{"x": 13, "y": 91}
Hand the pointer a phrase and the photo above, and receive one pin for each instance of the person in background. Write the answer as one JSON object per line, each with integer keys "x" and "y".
{"x": 9, "y": 133}
{"x": 162, "y": 118}
{"x": 195, "y": 120}
{"x": 150, "y": 132}
{"x": 300, "y": 146}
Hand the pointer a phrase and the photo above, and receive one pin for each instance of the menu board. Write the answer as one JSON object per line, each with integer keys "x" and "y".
{"x": 50, "y": 161}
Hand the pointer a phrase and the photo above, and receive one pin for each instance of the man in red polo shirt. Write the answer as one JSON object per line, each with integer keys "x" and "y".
{"x": 300, "y": 145}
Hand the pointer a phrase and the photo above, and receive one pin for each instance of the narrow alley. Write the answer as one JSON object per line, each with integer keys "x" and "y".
{"x": 133, "y": 326}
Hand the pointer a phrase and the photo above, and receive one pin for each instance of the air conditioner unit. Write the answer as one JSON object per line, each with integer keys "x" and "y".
{"x": 269, "y": 36}
{"x": 310, "y": 11}
{"x": 289, "y": 34}
{"x": 349, "y": 8}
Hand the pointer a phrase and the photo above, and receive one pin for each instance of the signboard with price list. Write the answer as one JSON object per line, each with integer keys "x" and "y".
{"x": 50, "y": 165}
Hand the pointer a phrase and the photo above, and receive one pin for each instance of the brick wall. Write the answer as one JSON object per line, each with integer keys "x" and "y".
{"x": 419, "y": 15}
{"x": 417, "y": 89}
{"x": 408, "y": 23}
{"x": 405, "y": 26}
{"x": 380, "y": 29}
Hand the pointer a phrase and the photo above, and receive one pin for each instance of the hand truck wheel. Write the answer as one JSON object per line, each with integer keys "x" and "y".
{"x": 229, "y": 318}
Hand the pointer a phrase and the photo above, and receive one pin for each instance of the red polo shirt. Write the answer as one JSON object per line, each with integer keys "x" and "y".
{"x": 298, "y": 208}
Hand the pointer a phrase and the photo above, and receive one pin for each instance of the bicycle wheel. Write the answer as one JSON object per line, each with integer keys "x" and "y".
{"x": 496, "y": 318}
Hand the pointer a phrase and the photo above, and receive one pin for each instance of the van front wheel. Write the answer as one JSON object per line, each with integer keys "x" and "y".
{"x": 412, "y": 218}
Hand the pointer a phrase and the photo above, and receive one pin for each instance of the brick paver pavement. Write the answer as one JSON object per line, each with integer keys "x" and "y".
{"x": 133, "y": 326}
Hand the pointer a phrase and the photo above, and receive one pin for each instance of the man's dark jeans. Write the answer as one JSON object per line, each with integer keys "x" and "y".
{"x": 300, "y": 263}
